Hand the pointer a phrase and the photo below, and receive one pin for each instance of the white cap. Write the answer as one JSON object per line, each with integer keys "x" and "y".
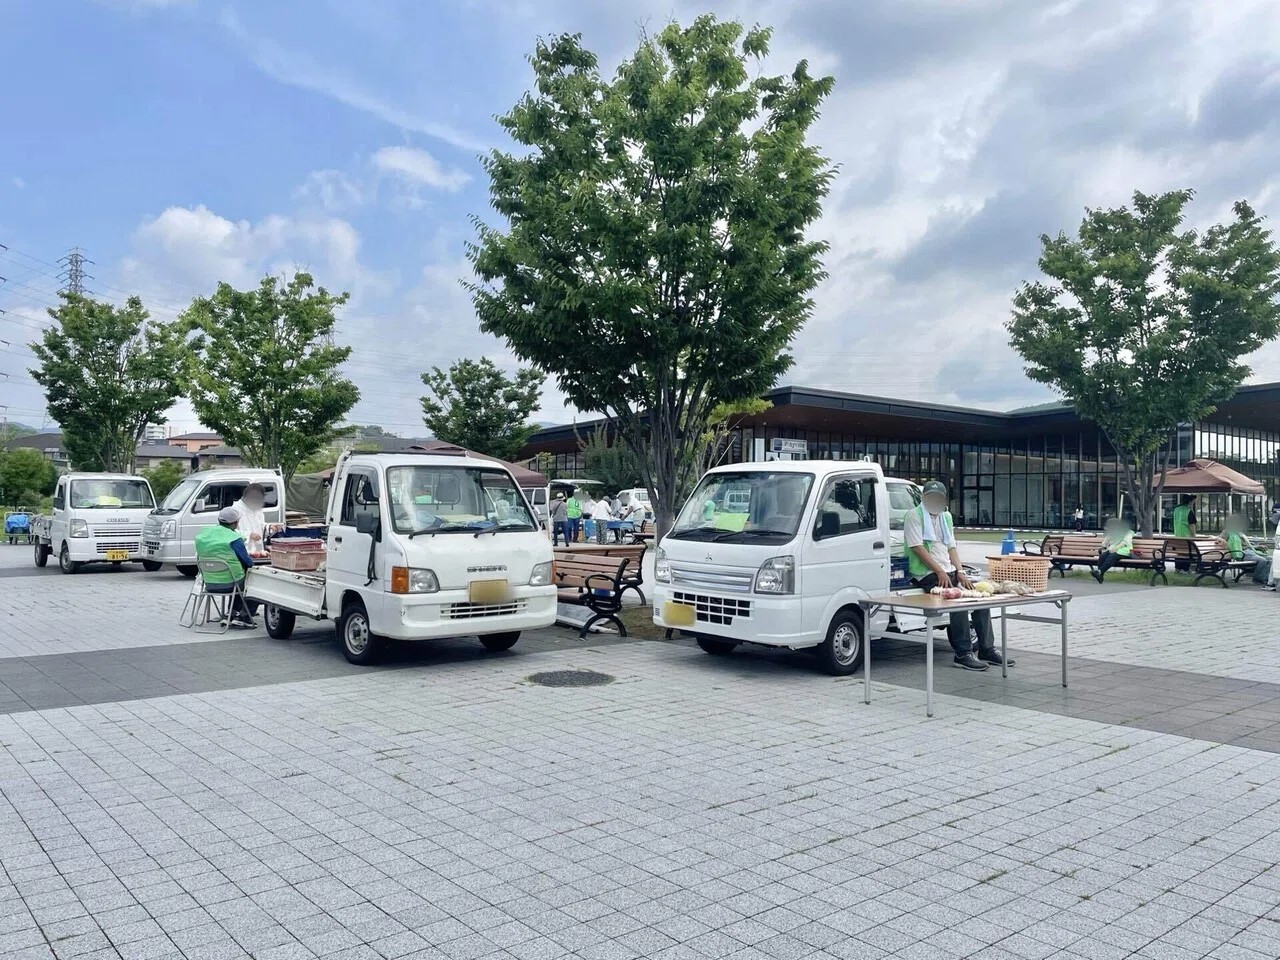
{"x": 228, "y": 515}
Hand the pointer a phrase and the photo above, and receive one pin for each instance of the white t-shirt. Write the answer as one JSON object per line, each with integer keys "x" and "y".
{"x": 252, "y": 527}
{"x": 601, "y": 511}
{"x": 940, "y": 549}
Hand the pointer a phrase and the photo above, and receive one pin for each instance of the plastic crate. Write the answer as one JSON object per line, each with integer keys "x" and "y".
{"x": 297, "y": 554}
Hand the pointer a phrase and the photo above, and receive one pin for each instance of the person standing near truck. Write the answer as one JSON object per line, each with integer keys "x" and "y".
{"x": 573, "y": 515}
{"x": 933, "y": 560}
{"x": 559, "y": 521}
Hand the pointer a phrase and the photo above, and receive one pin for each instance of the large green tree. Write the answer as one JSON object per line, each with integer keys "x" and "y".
{"x": 654, "y": 257}
{"x": 608, "y": 460}
{"x": 477, "y": 406}
{"x": 266, "y": 374}
{"x": 1144, "y": 325}
{"x": 107, "y": 371}
{"x": 25, "y": 477}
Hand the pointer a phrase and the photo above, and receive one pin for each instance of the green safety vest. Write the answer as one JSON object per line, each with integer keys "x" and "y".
{"x": 915, "y": 566}
{"x": 1235, "y": 544}
{"x": 214, "y": 543}
{"x": 1181, "y": 523}
{"x": 1121, "y": 548}
{"x": 572, "y": 508}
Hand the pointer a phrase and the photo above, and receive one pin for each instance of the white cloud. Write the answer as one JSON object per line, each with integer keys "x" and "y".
{"x": 419, "y": 167}
{"x": 19, "y": 183}
{"x": 297, "y": 70}
{"x": 332, "y": 191}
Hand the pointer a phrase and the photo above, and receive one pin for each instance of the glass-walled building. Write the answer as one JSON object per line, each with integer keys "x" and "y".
{"x": 1029, "y": 469}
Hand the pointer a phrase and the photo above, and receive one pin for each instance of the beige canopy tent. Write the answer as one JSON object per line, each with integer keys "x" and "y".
{"x": 1210, "y": 476}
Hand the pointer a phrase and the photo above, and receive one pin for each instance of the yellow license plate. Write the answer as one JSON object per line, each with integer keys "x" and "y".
{"x": 488, "y": 591}
{"x": 677, "y": 614}
{"x": 114, "y": 555}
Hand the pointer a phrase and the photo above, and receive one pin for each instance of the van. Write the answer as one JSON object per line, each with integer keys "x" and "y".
{"x": 782, "y": 561}
{"x": 94, "y": 518}
{"x": 169, "y": 533}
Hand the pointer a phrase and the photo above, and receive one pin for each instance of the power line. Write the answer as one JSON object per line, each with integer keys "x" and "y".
{"x": 73, "y": 274}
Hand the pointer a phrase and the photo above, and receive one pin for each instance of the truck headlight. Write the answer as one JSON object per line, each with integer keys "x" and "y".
{"x": 777, "y": 575}
{"x": 169, "y": 530}
{"x": 79, "y": 528}
{"x": 412, "y": 580}
{"x": 542, "y": 574}
{"x": 661, "y": 567}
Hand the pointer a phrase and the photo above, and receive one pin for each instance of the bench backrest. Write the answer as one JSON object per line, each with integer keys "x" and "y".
{"x": 574, "y": 571}
{"x": 1147, "y": 547}
{"x": 1076, "y": 545}
{"x": 1187, "y": 548}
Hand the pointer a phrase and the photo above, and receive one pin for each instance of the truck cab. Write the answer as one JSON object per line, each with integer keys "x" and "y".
{"x": 419, "y": 547}
{"x": 169, "y": 533}
{"x": 95, "y": 518}
{"x": 778, "y": 554}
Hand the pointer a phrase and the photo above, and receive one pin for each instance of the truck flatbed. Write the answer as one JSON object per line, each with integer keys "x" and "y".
{"x": 296, "y": 591}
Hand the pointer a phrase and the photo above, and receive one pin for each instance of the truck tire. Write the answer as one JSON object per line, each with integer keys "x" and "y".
{"x": 188, "y": 570}
{"x": 717, "y": 648}
{"x": 65, "y": 563}
{"x": 498, "y": 642}
{"x": 279, "y": 623}
{"x": 359, "y": 644}
{"x": 841, "y": 653}
{"x": 151, "y": 566}
{"x": 42, "y": 554}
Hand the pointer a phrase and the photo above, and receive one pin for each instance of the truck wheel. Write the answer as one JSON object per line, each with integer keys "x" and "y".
{"x": 151, "y": 566}
{"x": 359, "y": 645}
{"x": 65, "y": 563}
{"x": 188, "y": 570}
{"x": 498, "y": 642}
{"x": 279, "y": 622}
{"x": 717, "y": 648}
{"x": 42, "y": 554}
{"x": 841, "y": 652}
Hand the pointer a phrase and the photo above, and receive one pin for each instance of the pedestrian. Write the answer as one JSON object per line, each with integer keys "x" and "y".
{"x": 1184, "y": 517}
{"x": 573, "y": 516}
{"x": 559, "y": 521}
{"x": 1117, "y": 543}
{"x": 933, "y": 560}
{"x": 601, "y": 514}
{"x": 588, "y": 512}
{"x": 1079, "y": 519}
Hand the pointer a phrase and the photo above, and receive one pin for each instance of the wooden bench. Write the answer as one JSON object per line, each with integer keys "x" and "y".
{"x": 632, "y": 573}
{"x": 644, "y": 533}
{"x": 1208, "y": 561}
{"x": 592, "y": 581}
{"x": 1066, "y": 550}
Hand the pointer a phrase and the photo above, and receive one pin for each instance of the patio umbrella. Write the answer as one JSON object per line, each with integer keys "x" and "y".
{"x": 1210, "y": 476}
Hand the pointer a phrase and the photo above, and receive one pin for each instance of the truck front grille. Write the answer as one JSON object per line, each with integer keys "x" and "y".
{"x": 719, "y": 611}
{"x": 473, "y": 611}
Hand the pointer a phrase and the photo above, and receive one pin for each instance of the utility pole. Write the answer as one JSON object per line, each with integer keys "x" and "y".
{"x": 73, "y": 274}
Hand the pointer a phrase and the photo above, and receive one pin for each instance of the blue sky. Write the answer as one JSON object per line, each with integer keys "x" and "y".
{"x": 180, "y": 142}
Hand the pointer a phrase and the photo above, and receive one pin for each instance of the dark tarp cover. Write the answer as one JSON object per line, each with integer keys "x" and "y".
{"x": 308, "y": 493}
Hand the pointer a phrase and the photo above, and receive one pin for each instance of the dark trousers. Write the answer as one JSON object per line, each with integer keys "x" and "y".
{"x": 560, "y": 528}
{"x": 575, "y": 524}
{"x": 958, "y": 629}
{"x": 241, "y": 607}
{"x": 1107, "y": 560}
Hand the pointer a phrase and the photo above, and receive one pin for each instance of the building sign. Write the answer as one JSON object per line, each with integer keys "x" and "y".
{"x": 791, "y": 448}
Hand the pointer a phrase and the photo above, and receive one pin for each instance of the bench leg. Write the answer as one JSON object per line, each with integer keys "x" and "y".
{"x": 1159, "y": 572}
{"x": 596, "y": 618}
{"x": 639, "y": 592}
{"x": 1210, "y": 575}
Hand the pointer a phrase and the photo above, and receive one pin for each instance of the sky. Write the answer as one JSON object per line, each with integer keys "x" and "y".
{"x": 183, "y": 142}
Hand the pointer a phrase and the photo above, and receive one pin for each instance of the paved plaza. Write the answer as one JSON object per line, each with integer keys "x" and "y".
{"x": 164, "y": 795}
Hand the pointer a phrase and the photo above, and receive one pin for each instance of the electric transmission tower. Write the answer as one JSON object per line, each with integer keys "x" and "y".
{"x": 73, "y": 275}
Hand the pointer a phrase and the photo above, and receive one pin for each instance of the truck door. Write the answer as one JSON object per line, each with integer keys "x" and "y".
{"x": 349, "y": 549}
{"x": 845, "y": 547}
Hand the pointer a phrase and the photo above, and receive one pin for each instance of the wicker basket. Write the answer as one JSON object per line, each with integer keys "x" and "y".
{"x": 1033, "y": 571}
{"x": 297, "y": 555}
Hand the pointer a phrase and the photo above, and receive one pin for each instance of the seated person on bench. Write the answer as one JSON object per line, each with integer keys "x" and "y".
{"x": 1117, "y": 543}
{"x": 1235, "y": 541}
{"x": 222, "y": 541}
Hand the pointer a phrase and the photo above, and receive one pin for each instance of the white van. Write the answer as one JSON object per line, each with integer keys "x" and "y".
{"x": 419, "y": 547}
{"x": 798, "y": 544}
{"x": 169, "y": 534}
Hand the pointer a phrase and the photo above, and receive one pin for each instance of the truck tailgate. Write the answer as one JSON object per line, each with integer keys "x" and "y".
{"x": 295, "y": 591}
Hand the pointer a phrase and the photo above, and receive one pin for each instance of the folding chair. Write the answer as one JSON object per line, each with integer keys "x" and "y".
{"x": 201, "y": 606}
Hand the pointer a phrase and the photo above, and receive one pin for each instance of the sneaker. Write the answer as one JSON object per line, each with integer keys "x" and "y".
{"x": 993, "y": 657}
{"x": 1269, "y": 586}
{"x": 1096, "y": 575}
{"x": 970, "y": 662}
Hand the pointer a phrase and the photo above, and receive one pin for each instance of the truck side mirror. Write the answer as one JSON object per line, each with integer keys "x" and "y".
{"x": 366, "y": 522}
{"x": 201, "y": 506}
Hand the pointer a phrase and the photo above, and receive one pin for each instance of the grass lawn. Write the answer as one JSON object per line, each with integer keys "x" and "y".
{"x": 639, "y": 621}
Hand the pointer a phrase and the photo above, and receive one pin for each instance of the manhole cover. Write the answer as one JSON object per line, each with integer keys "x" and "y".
{"x": 570, "y": 678}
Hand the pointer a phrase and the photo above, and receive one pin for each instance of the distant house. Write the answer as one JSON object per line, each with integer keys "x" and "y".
{"x": 195, "y": 442}
{"x": 49, "y": 444}
{"x": 220, "y": 455}
{"x": 151, "y": 455}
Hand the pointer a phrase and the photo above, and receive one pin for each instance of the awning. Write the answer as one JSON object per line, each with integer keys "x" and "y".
{"x": 1210, "y": 476}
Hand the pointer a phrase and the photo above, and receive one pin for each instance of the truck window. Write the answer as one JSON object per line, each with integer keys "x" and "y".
{"x": 60, "y": 496}
{"x": 215, "y": 496}
{"x": 848, "y": 506}
{"x": 359, "y": 498}
{"x": 110, "y": 493}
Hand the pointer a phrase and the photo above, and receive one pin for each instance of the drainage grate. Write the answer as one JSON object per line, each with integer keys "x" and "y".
{"x": 570, "y": 678}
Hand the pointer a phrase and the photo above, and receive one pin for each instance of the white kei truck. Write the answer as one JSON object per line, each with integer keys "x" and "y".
{"x": 779, "y": 554}
{"x": 169, "y": 533}
{"x": 418, "y": 546}
{"x": 96, "y": 518}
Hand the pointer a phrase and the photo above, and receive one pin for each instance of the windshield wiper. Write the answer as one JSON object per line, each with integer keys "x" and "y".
{"x": 689, "y": 534}
{"x": 754, "y": 533}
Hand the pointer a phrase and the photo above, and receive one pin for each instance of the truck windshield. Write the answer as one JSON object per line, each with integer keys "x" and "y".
{"x": 178, "y": 497}
{"x": 756, "y": 506}
{"x": 113, "y": 494}
{"x": 431, "y": 499}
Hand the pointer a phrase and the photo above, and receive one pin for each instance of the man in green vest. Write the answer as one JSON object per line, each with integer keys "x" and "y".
{"x": 222, "y": 541}
{"x": 933, "y": 560}
{"x": 1184, "y": 524}
{"x": 573, "y": 515}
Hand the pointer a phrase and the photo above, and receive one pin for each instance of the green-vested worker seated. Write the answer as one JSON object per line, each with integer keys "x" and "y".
{"x": 222, "y": 541}
{"x": 933, "y": 560}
